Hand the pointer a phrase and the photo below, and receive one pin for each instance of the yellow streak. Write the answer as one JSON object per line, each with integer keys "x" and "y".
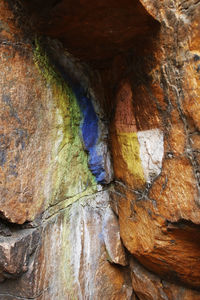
{"x": 130, "y": 149}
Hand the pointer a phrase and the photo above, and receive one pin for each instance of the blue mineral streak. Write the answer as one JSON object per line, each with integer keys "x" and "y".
{"x": 89, "y": 126}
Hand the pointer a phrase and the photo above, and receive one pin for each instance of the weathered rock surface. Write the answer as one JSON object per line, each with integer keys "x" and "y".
{"x": 148, "y": 286}
{"x": 16, "y": 248}
{"x": 72, "y": 259}
{"x": 54, "y": 158}
{"x": 158, "y": 193}
{"x": 96, "y": 31}
{"x": 69, "y": 230}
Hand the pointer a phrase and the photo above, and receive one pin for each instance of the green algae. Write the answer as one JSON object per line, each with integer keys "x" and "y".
{"x": 68, "y": 162}
{"x": 60, "y": 89}
{"x": 68, "y": 173}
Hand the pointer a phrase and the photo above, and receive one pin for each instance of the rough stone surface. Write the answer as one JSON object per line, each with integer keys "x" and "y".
{"x": 96, "y": 31}
{"x": 148, "y": 286}
{"x": 16, "y": 248}
{"x": 68, "y": 263}
{"x": 35, "y": 134}
{"x": 159, "y": 218}
{"x": 59, "y": 233}
{"x": 74, "y": 223}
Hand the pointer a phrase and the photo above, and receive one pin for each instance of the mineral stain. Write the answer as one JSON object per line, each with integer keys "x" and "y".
{"x": 89, "y": 125}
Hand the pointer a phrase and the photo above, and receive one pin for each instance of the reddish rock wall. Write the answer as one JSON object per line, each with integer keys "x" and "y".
{"x": 159, "y": 215}
{"x": 68, "y": 229}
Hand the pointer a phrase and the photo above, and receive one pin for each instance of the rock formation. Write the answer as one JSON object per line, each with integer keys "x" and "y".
{"x": 100, "y": 149}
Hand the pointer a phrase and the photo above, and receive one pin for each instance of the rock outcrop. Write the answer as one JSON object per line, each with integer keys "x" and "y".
{"x": 99, "y": 150}
{"x": 158, "y": 195}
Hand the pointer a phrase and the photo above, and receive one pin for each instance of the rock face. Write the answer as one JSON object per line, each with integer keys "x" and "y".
{"x": 158, "y": 195}
{"x": 96, "y": 31}
{"x": 74, "y": 223}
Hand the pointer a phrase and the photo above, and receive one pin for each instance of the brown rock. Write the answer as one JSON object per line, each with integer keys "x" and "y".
{"x": 156, "y": 238}
{"x": 113, "y": 244}
{"x": 148, "y": 56}
{"x": 148, "y": 286}
{"x": 71, "y": 259}
{"x": 108, "y": 25}
{"x": 157, "y": 219}
{"x": 36, "y": 132}
{"x": 15, "y": 252}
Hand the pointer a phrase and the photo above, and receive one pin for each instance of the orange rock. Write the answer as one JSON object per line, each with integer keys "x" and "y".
{"x": 150, "y": 287}
{"x": 150, "y": 72}
{"x": 157, "y": 220}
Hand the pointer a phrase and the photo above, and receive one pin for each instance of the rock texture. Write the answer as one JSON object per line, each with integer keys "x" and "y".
{"x": 96, "y": 31}
{"x": 158, "y": 195}
{"x": 79, "y": 80}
